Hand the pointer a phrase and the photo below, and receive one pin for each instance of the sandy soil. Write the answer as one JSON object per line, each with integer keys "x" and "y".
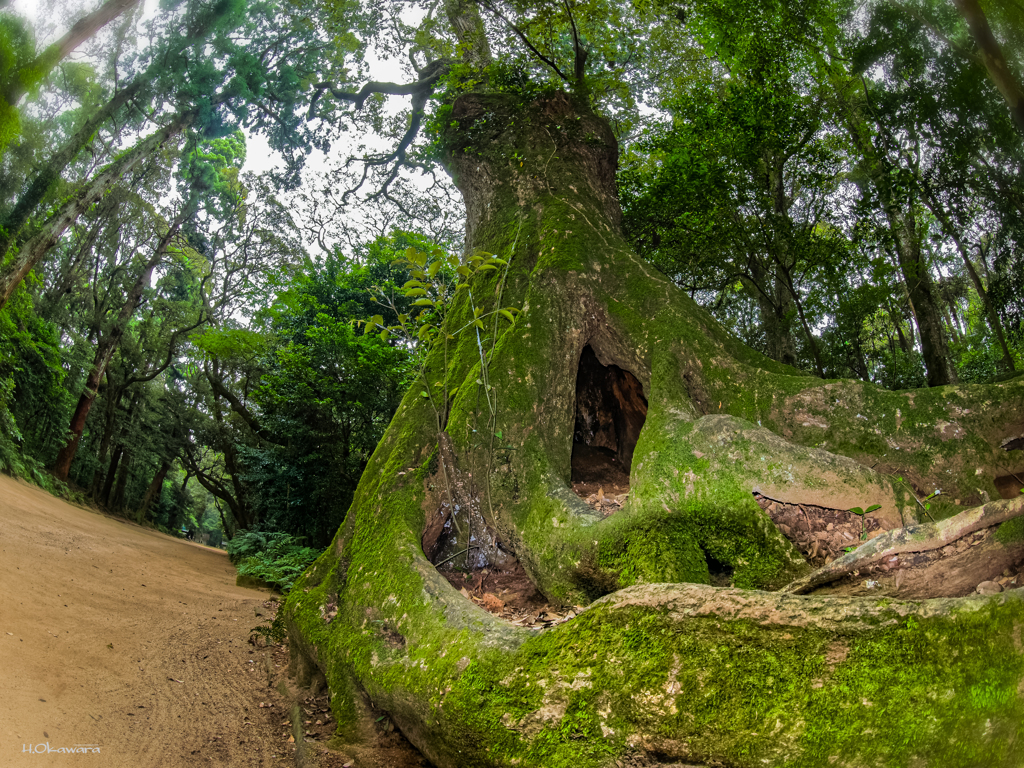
{"x": 118, "y": 637}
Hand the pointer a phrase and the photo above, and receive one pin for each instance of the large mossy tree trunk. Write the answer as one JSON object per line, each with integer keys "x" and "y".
{"x": 659, "y": 664}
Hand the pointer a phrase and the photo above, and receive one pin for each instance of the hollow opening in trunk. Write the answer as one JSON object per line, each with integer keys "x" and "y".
{"x": 610, "y": 412}
{"x": 720, "y": 573}
{"x": 1008, "y": 486}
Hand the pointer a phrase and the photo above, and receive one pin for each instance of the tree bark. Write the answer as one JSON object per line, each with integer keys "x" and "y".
{"x": 50, "y": 233}
{"x": 108, "y": 433}
{"x": 920, "y": 290}
{"x": 665, "y": 668}
{"x": 775, "y": 306}
{"x": 784, "y": 228}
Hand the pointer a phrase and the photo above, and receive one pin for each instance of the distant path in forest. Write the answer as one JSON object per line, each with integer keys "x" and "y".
{"x": 119, "y": 638}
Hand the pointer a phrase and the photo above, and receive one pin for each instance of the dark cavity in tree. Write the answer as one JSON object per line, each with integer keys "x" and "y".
{"x": 1009, "y": 486}
{"x": 610, "y": 412}
{"x": 720, "y": 573}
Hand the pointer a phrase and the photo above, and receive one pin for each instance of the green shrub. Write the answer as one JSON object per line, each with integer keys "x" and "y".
{"x": 274, "y": 557}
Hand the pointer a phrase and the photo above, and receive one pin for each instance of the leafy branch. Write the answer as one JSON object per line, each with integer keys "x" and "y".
{"x": 436, "y": 279}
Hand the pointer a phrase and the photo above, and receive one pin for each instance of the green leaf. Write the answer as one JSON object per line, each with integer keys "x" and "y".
{"x": 487, "y": 266}
{"x": 498, "y": 434}
{"x": 423, "y": 303}
{"x": 506, "y": 313}
{"x": 872, "y": 508}
{"x": 432, "y": 269}
{"x": 415, "y": 292}
{"x": 857, "y": 510}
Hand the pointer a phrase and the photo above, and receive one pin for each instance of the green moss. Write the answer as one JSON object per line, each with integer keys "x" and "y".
{"x": 1011, "y": 532}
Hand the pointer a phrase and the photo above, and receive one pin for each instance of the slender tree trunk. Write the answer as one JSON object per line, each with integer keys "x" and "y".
{"x": 223, "y": 523}
{"x": 995, "y": 62}
{"x": 1005, "y": 364}
{"x": 153, "y": 492}
{"x": 35, "y": 71}
{"x": 105, "y": 350}
{"x": 774, "y": 304}
{"x": 108, "y": 434}
{"x": 51, "y": 173}
{"x": 896, "y": 318}
{"x": 921, "y": 291}
{"x": 117, "y": 500}
{"x": 108, "y": 484}
{"x": 957, "y": 327}
{"x": 50, "y": 233}
{"x": 235, "y": 506}
{"x": 781, "y": 254}
{"x": 899, "y": 212}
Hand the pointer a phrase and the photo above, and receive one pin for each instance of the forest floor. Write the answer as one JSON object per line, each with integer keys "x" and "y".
{"x": 135, "y": 647}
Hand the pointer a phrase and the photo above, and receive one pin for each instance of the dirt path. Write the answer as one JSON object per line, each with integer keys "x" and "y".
{"x": 126, "y": 640}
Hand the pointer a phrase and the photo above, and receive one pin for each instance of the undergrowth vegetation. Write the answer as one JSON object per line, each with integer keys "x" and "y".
{"x": 272, "y": 556}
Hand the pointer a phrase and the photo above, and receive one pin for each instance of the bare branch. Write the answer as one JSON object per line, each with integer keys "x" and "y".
{"x": 526, "y": 41}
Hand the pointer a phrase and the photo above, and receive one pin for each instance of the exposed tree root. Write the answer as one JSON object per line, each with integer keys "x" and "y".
{"x": 989, "y": 561}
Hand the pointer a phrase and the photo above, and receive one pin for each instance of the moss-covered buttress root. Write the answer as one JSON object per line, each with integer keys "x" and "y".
{"x": 683, "y": 673}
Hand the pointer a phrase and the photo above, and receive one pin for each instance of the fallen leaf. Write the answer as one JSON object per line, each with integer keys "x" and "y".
{"x": 492, "y": 603}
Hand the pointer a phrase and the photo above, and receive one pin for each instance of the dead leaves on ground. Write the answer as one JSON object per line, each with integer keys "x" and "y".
{"x": 540, "y": 618}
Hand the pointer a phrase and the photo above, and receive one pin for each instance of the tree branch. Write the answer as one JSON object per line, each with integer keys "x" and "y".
{"x": 526, "y": 41}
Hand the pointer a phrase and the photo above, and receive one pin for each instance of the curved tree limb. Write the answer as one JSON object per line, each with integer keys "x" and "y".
{"x": 924, "y": 537}
{"x": 239, "y": 407}
{"x": 428, "y": 78}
